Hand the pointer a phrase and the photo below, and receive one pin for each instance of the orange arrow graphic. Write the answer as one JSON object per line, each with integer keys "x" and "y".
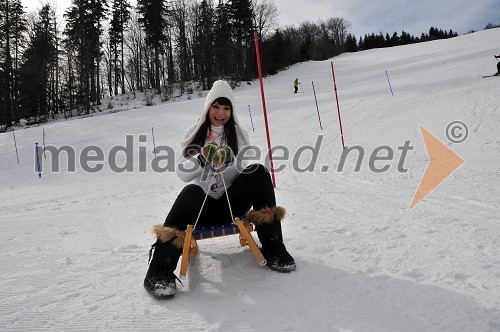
{"x": 442, "y": 163}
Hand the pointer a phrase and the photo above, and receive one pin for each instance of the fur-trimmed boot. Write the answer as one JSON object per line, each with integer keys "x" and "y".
{"x": 267, "y": 223}
{"x": 160, "y": 278}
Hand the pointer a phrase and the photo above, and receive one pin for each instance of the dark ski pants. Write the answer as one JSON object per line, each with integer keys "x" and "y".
{"x": 252, "y": 188}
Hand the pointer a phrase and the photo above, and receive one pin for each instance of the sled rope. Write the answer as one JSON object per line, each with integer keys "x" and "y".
{"x": 203, "y": 204}
{"x": 227, "y": 196}
{"x": 191, "y": 248}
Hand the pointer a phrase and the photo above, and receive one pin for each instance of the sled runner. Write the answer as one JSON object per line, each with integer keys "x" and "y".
{"x": 243, "y": 228}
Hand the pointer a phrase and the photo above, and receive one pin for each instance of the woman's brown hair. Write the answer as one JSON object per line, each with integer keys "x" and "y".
{"x": 230, "y": 137}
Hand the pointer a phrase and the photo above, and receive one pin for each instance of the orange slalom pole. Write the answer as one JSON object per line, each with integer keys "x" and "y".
{"x": 257, "y": 52}
{"x": 338, "y": 107}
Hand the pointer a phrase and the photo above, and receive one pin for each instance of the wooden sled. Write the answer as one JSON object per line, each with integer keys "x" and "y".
{"x": 238, "y": 227}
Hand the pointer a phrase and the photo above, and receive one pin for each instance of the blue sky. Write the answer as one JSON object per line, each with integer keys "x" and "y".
{"x": 366, "y": 16}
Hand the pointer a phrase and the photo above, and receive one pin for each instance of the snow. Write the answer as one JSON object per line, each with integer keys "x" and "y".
{"x": 75, "y": 244}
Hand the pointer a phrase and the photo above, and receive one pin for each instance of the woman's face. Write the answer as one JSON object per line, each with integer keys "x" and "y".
{"x": 219, "y": 114}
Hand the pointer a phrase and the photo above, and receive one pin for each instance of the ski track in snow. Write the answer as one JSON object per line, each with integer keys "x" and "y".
{"x": 75, "y": 245}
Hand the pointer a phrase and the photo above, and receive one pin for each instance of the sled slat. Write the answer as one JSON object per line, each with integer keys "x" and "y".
{"x": 251, "y": 243}
{"x": 185, "y": 252}
{"x": 238, "y": 227}
{"x": 207, "y": 233}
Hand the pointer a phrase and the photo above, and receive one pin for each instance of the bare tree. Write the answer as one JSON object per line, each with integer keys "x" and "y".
{"x": 134, "y": 40}
{"x": 107, "y": 58}
{"x": 265, "y": 17}
{"x": 338, "y": 29}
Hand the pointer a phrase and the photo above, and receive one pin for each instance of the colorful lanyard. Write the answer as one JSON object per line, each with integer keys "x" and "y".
{"x": 215, "y": 186}
{"x": 211, "y": 135}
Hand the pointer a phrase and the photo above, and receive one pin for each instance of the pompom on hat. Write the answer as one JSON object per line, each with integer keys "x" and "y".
{"x": 219, "y": 89}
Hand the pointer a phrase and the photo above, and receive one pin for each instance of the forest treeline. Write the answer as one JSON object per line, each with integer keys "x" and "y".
{"x": 105, "y": 48}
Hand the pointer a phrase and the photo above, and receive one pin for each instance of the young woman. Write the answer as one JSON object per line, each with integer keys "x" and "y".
{"x": 218, "y": 134}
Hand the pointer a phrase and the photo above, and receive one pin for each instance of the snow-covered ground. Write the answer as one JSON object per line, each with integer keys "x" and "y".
{"x": 74, "y": 245}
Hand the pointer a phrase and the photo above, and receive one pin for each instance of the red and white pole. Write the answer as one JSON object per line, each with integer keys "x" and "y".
{"x": 338, "y": 107}
{"x": 317, "y": 109}
{"x": 257, "y": 52}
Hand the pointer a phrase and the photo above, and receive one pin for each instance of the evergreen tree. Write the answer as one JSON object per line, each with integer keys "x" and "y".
{"x": 179, "y": 16}
{"x": 39, "y": 58}
{"x": 153, "y": 19}
{"x": 13, "y": 27}
{"x": 351, "y": 44}
{"x": 388, "y": 40}
{"x": 405, "y": 38}
{"x": 19, "y": 29}
{"x": 119, "y": 20}
{"x": 275, "y": 50}
{"x": 222, "y": 41}
{"x": 306, "y": 41}
{"x": 394, "y": 39}
{"x": 83, "y": 32}
{"x": 205, "y": 43}
{"x": 241, "y": 19}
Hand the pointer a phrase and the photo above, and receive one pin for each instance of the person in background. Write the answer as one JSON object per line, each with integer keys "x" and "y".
{"x": 498, "y": 64}
{"x": 217, "y": 139}
{"x": 296, "y": 85}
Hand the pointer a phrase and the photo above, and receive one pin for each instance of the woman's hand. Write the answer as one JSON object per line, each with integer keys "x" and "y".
{"x": 223, "y": 157}
{"x": 216, "y": 156}
{"x": 207, "y": 153}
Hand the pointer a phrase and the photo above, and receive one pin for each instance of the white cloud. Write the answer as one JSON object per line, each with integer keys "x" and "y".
{"x": 412, "y": 16}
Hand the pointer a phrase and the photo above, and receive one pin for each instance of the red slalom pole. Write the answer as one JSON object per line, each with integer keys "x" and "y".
{"x": 338, "y": 107}
{"x": 317, "y": 109}
{"x": 257, "y": 52}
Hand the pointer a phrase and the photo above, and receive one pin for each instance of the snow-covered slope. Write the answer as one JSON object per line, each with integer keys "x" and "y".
{"x": 75, "y": 244}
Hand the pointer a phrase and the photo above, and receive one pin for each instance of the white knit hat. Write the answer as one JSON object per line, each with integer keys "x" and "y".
{"x": 219, "y": 89}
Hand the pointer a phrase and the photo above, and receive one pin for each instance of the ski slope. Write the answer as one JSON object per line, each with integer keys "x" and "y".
{"x": 75, "y": 244}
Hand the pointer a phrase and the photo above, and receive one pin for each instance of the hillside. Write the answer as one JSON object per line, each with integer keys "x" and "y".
{"x": 75, "y": 244}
